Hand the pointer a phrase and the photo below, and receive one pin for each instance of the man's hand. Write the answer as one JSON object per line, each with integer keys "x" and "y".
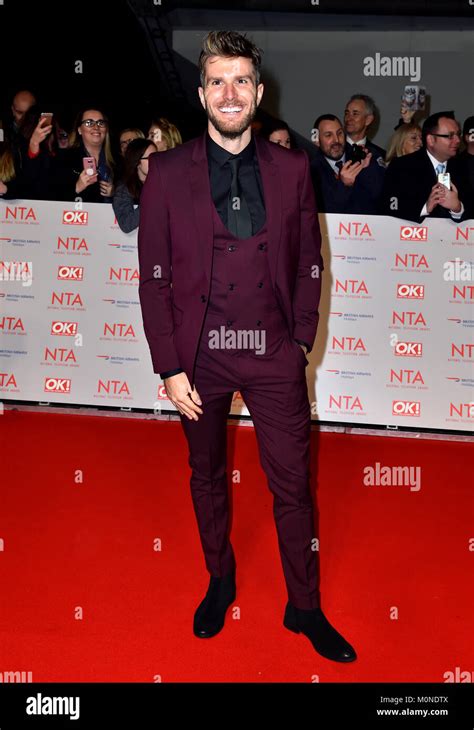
{"x": 350, "y": 170}
{"x": 179, "y": 392}
{"x": 451, "y": 199}
{"x": 437, "y": 195}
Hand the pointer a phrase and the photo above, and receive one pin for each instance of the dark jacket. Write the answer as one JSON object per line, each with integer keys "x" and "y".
{"x": 123, "y": 202}
{"x": 408, "y": 183}
{"x": 332, "y": 196}
{"x": 65, "y": 172}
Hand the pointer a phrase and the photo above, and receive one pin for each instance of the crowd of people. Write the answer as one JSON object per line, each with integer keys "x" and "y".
{"x": 426, "y": 170}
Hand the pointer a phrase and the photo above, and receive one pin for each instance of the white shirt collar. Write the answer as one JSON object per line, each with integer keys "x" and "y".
{"x": 436, "y": 162}
{"x": 333, "y": 162}
{"x": 360, "y": 142}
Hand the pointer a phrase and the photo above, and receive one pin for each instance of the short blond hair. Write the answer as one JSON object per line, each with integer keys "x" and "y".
{"x": 229, "y": 44}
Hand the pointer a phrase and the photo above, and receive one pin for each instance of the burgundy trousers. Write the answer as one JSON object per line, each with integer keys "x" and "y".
{"x": 274, "y": 388}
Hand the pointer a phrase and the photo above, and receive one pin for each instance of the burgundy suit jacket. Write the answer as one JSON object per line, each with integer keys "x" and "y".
{"x": 175, "y": 247}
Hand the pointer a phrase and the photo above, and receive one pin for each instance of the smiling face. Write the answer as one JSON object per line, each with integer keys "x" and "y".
{"x": 412, "y": 142}
{"x": 443, "y": 148}
{"x": 230, "y": 96}
{"x": 331, "y": 139}
{"x": 356, "y": 119}
{"x": 92, "y": 136}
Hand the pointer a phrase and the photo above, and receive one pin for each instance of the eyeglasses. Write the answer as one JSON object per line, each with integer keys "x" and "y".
{"x": 126, "y": 142}
{"x": 101, "y": 123}
{"x": 144, "y": 158}
{"x": 451, "y": 135}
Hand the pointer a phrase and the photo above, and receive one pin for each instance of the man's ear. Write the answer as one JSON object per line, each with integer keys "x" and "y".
{"x": 201, "y": 96}
{"x": 260, "y": 90}
{"x": 369, "y": 119}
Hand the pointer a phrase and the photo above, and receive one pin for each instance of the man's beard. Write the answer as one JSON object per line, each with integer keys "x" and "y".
{"x": 331, "y": 154}
{"x": 233, "y": 132}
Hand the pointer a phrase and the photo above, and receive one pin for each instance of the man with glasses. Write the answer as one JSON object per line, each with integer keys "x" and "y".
{"x": 413, "y": 189}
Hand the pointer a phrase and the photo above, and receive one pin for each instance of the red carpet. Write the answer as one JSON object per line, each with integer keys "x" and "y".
{"x": 90, "y": 544}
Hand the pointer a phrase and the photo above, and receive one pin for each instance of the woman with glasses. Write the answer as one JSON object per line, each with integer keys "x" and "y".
{"x": 127, "y": 195}
{"x": 93, "y": 182}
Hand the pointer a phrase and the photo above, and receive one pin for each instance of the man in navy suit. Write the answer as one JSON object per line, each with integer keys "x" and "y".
{"x": 359, "y": 115}
{"x": 341, "y": 184}
{"x": 412, "y": 190}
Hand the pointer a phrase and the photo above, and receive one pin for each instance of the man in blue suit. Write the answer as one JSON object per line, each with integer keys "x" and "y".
{"x": 343, "y": 184}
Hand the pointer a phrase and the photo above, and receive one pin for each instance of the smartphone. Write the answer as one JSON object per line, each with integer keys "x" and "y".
{"x": 357, "y": 153}
{"x": 46, "y": 119}
{"x": 89, "y": 165}
{"x": 445, "y": 179}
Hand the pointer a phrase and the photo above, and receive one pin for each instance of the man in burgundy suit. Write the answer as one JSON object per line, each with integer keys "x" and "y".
{"x": 230, "y": 282}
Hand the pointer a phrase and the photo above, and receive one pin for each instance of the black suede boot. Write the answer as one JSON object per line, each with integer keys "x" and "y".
{"x": 210, "y": 614}
{"x": 324, "y": 637}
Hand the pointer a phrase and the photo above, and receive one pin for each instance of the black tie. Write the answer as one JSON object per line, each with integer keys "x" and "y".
{"x": 339, "y": 164}
{"x": 239, "y": 221}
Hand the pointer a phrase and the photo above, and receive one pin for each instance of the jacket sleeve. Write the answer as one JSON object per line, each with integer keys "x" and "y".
{"x": 127, "y": 216}
{"x": 154, "y": 256}
{"x": 307, "y": 292}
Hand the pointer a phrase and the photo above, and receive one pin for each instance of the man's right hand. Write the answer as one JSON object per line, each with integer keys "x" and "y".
{"x": 437, "y": 195}
{"x": 350, "y": 170}
{"x": 179, "y": 392}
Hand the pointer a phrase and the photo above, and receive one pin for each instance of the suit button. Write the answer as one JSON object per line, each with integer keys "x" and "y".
{"x": 231, "y": 287}
{"x": 260, "y": 284}
{"x": 229, "y": 322}
{"x": 262, "y": 246}
{"x": 259, "y": 322}
{"x": 231, "y": 248}
{"x": 203, "y": 298}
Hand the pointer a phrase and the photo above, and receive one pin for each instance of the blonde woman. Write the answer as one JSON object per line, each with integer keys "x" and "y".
{"x": 405, "y": 140}
{"x": 164, "y": 134}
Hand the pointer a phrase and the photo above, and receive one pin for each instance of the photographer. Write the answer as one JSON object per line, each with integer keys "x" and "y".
{"x": 344, "y": 180}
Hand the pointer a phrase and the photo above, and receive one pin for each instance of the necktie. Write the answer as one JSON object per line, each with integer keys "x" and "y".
{"x": 439, "y": 168}
{"x": 339, "y": 164}
{"x": 239, "y": 221}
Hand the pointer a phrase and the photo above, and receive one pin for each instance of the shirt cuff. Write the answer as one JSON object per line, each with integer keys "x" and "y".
{"x": 459, "y": 212}
{"x": 169, "y": 373}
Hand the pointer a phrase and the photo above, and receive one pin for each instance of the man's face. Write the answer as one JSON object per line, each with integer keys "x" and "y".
{"x": 356, "y": 119}
{"x": 331, "y": 139}
{"x": 443, "y": 148}
{"x": 230, "y": 96}
{"x": 20, "y": 105}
